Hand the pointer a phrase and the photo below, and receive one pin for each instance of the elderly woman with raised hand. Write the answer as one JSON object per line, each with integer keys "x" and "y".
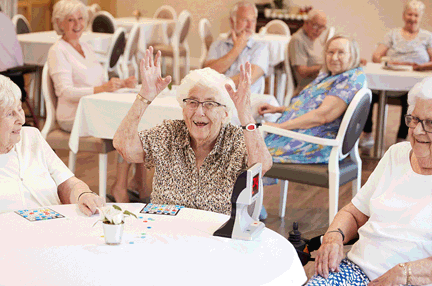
{"x": 31, "y": 174}
{"x": 408, "y": 45}
{"x": 318, "y": 109}
{"x": 197, "y": 159}
{"x": 73, "y": 66}
{"x": 391, "y": 214}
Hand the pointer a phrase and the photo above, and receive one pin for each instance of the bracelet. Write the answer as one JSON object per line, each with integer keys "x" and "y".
{"x": 85, "y": 193}
{"x": 146, "y": 101}
{"x": 340, "y": 231}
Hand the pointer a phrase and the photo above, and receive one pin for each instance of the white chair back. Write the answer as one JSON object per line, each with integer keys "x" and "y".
{"x": 206, "y": 39}
{"x": 277, "y": 27}
{"x": 22, "y": 25}
{"x": 290, "y": 83}
{"x": 50, "y": 102}
{"x": 182, "y": 28}
{"x": 167, "y": 12}
{"x": 330, "y": 33}
{"x": 130, "y": 53}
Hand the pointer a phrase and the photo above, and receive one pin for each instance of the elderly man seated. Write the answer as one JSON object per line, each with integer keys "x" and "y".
{"x": 306, "y": 49}
{"x": 227, "y": 55}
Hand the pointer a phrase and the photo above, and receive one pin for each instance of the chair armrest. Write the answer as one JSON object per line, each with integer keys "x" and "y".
{"x": 299, "y": 136}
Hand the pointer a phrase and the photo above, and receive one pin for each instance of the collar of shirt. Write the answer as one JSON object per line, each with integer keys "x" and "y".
{"x": 183, "y": 140}
{"x": 249, "y": 44}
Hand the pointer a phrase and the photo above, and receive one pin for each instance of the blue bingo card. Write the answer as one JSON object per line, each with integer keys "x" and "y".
{"x": 161, "y": 209}
{"x": 39, "y": 214}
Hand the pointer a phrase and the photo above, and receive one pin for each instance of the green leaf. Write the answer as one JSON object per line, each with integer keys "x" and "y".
{"x": 126, "y": 212}
{"x": 117, "y": 207}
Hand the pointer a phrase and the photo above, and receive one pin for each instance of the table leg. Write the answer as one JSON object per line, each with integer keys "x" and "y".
{"x": 381, "y": 124}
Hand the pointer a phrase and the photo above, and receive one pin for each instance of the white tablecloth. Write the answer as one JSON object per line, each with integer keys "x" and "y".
{"x": 277, "y": 45}
{"x": 35, "y": 46}
{"x": 177, "y": 250}
{"x": 390, "y": 80}
{"x": 151, "y": 29}
{"x": 100, "y": 115}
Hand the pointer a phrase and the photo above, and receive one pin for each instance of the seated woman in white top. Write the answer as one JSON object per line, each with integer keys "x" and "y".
{"x": 31, "y": 174}
{"x": 73, "y": 65}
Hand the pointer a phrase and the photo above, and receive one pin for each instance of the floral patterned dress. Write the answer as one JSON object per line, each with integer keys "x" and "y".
{"x": 288, "y": 150}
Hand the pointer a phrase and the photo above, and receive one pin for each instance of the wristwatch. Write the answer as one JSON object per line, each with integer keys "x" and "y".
{"x": 251, "y": 126}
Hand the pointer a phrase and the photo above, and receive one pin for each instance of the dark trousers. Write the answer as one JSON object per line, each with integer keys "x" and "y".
{"x": 403, "y": 129}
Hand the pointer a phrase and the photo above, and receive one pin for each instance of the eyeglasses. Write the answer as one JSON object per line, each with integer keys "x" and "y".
{"x": 207, "y": 105}
{"x": 318, "y": 27}
{"x": 412, "y": 122}
{"x": 339, "y": 54}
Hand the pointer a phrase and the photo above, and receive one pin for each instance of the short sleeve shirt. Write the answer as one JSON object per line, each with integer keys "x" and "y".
{"x": 305, "y": 52}
{"x": 256, "y": 53}
{"x": 177, "y": 179}
{"x": 408, "y": 51}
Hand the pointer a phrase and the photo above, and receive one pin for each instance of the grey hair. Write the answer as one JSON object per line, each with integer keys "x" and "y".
{"x": 212, "y": 80}
{"x": 421, "y": 90}
{"x": 415, "y": 5}
{"x": 233, "y": 12}
{"x": 10, "y": 93}
{"x": 63, "y": 8}
{"x": 313, "y": 13}
{"x": 354, "y": 51}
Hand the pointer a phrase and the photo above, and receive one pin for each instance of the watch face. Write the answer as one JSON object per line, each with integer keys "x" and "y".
{"x": 250, "y": 127}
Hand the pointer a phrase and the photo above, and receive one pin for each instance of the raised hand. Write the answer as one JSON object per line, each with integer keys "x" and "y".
{"x": 241, "y": 40}
{"x": 241, "y": 97}
{"x": 151, "y": 79}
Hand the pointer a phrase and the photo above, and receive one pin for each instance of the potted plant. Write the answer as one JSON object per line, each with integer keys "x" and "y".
{"x": 112, "y": 218}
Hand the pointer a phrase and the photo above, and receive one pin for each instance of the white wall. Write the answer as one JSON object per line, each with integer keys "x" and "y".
{"x": 365, "y": 20}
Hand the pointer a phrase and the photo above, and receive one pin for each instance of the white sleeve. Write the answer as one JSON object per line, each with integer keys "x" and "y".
{"x": 382, "y": 172}
{"x": 60, "y": 69}
{"x": 58, "y": 170}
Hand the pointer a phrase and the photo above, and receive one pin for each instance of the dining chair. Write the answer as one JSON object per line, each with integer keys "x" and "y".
{"x": 206, "y": 36}
{"x": 59, "y": 139}
{"x": 277, "y": 27}
{"x": 344, "y": 163}
{"x": 129, "y": 57}
{"x": 112, "y": 62}
{"x": 92, "y": 10}
{"x": 166, "y": 12}
{"x": 178, "y": 48}
{"x": 103, "y": 22}
{"x": 21, "y": 24}
{"x": 291, "y": 84}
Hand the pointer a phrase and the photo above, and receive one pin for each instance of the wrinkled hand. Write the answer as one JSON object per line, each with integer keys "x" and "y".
{"x": 89, "y": 202}
{"x": 151, "y": 79}
{"x": 113, "y": 84}
{"x": 329, "y": 255}
{"x": 130, "y": 82}
{"x": 267, "y": 108}
{"x": 241, "y": 97}
{"x": 393, "y": 277}
{"x": 240, "y": 41}
{"x": 363, "y": 62}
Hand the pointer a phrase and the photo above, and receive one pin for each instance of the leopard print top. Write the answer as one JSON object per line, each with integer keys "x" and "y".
{"x": 177, "y": 179}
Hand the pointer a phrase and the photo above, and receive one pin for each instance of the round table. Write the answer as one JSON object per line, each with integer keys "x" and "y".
{"x": 156, "y": 250}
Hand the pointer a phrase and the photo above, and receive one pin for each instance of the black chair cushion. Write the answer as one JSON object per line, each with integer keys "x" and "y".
{"x": 313, "y": 174}
{"x": 118, "y": 49}
{"x": 356, "y": 124}
{"x": 103, "y": 24}
{"x": 21, "y": 27}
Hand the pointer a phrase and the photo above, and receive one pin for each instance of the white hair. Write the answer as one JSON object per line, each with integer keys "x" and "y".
{"x": 63, "y": 8}
{"x": 211, "y": 79}
{"x": 10, "y": 93}
{"x": 313, "y": 13}
{"x": 233, "y": 12}
{"x": 415, "y": 5}
{"x": 422, "y": 90}
{"x": 353, "y": 48}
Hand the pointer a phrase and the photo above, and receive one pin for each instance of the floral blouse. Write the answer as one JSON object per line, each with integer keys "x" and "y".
{"x": 177, "y": 179}
{"x": 288, "y": 150}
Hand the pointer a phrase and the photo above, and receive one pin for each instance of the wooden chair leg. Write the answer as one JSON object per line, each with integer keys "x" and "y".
{"x": 283, "y": 198}
{"x": 103, "y": 166}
